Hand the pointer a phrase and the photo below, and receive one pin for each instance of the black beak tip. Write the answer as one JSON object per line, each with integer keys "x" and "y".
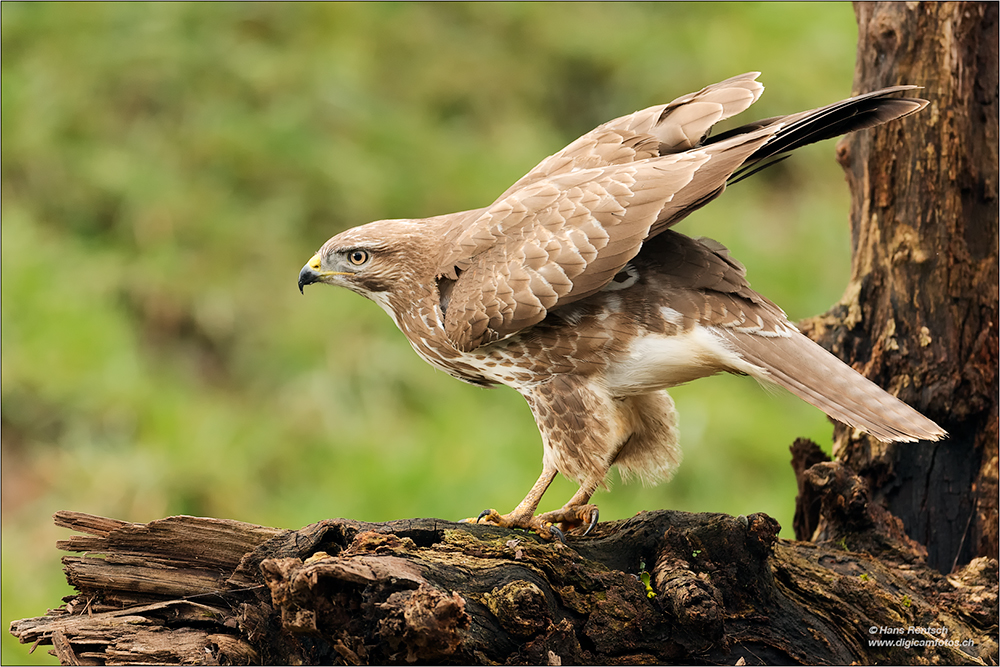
{"x": 306, "y": 277}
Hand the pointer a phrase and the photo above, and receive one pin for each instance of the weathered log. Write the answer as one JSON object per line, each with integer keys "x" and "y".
{"x": 661, "y": 587}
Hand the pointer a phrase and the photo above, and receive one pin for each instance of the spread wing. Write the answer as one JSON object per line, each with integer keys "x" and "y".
{"x": 564, "y": 230}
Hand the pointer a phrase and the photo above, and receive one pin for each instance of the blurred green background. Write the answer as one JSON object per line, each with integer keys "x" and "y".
{"x": 168, "y": 168}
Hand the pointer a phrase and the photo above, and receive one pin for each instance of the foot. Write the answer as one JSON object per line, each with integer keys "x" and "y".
{"x": 547, "y": 525}
{"x": 572, "y": 516}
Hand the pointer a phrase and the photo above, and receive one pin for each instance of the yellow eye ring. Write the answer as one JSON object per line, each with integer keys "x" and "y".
{"x": 358, "y": 257}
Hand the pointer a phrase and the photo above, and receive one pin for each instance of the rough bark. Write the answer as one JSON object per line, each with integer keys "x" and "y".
{"x": 919, "y": 316}
{"x": 662, "y": 587}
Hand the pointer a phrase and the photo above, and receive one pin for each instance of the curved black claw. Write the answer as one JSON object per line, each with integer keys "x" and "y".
{"x": 593, "y": 521}
{"x": 482, "y": 514}
{"x": 559, "y": 534}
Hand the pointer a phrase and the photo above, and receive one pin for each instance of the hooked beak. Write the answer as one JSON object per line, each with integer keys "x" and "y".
{"x": 311, "y": 273}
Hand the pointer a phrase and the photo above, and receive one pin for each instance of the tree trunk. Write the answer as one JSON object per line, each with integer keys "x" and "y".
{"x": 919, "y": 316}
{"x": 662, "y": 587}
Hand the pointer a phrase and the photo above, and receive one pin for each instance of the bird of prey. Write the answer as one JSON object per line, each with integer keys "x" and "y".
{"x": 572, "y": 289}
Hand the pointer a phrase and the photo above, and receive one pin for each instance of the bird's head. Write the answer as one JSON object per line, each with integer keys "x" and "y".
{"x": 371, "y": 259}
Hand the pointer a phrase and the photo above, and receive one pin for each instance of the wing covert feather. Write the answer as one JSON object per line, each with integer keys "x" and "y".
{"x": 554, "y": 242}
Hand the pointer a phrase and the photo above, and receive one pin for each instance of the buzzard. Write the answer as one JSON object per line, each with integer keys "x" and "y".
{"x": 572, "y": 289}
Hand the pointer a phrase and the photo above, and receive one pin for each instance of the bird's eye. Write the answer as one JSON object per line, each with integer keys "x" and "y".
{"x": 358, "y": 257}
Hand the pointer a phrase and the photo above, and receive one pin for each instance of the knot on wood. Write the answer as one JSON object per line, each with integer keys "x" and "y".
{"x": 520, "y": 606}
{"x": 843, "y": 495}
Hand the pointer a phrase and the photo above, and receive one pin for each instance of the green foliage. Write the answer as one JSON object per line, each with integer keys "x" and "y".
{"x": 167, "y": 169}
{"x": 646, "y": 581}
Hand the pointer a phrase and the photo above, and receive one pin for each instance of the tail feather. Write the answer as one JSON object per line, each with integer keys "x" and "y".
{"x": 821, "y": 379}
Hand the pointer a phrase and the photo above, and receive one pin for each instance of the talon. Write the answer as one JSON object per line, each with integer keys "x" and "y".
{"x": 549, "y": 525}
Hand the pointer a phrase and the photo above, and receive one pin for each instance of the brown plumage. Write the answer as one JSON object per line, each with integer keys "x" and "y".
{"x": 572, "y": 289}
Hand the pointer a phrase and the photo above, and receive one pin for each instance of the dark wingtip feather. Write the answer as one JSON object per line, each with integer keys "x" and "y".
{"x": 850, "y": 115}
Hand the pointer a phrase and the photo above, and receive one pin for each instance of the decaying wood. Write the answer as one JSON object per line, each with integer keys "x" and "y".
{"x": 662, "y": 587}
{"x": 919, "y": 316}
